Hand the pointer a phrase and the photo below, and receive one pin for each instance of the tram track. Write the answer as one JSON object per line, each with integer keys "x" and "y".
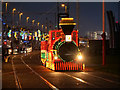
{"x": 108, "y": 80}
{"x": 53, "y": 87}
{"x": 17, "y": 82}
{"x": 46, "y": 81}
{"x": 81, "y": 80}
{"x": 70, "y": 75}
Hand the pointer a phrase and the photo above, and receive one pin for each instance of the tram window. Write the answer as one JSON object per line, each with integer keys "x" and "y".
{"x": 53, "y": 35}
{"x": 74, "y": 36}
{"x": 57, "y": 34}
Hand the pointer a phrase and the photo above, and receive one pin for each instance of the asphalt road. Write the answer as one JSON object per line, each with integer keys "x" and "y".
{"x": 26, "y": 71}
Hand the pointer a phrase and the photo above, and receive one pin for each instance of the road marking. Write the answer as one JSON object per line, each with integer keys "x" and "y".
{"x": 47, "y": 82}
{"x": 101, "y": 78}
{"x": 81, "y": 80}
{"x": 17, "y": 82}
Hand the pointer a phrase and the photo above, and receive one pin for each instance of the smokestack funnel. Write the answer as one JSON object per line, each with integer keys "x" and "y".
{"x": 67, "y": 25}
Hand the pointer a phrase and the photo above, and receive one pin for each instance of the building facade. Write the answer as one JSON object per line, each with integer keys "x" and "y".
{"x": 96, "y": 35}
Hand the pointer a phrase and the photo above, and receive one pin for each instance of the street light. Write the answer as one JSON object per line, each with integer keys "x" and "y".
{"x": 42, "y": 27}
{"x": 33, "y": 33}
{"x": 20, "y": 17}
{"x": 63, "y": 5}
{"x": 33, "y": 22}
{"x": 46, "y": 29}
{"x": 14, "y": 9}
{"x": 27, "y": 19}
{"x": 38, "y": 24}
{"x": 6, "y": 4}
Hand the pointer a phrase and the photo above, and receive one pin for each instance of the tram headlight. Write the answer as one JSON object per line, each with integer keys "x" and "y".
{"x": 79, "y": 56}
{"x": 55, "y": 57}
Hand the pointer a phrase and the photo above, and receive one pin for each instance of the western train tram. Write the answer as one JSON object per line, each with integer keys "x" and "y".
{"x": 59, "y": 51}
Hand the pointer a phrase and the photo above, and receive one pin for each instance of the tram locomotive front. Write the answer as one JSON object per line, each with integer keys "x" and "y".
{"x": 59, "y": 50}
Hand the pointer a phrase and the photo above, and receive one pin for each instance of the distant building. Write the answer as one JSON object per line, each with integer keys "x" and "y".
{"x": 96, "y": 35}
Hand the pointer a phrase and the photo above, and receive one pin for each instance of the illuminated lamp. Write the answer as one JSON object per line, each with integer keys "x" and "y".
{"x": 79, "y": 57}
{"x": 30, "y": 33}
{"x": 33, "y": 37}
{"x": 39, "y": 39}
{"x": 36, "y": 38}
{"x": 22, "y": 36}
{"x": 25, "y": 36}
{"x": 29, "y": 37}
{"x": 35, "y": 34}
{"x": 5, "y": 43}
{"x": 15, "y": 34}
{"x": 62, "y": 5}
{"x": 38, "y": 33}
{"x": 4, "y": 23}
{"x": 68, "y": 38}
{"x": 55, "y": 57}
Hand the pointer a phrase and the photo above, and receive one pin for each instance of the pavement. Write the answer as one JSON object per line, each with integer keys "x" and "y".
{"x": 25, "y": 71}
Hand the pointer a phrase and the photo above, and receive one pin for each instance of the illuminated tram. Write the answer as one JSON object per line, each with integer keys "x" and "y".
{"x": 59, "y": 51}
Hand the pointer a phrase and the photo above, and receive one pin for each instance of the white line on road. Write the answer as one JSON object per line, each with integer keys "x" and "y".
{"x": 100, "y": 78}
{"x": 81, "y": 80}
{"x": 17, "y": 82}
{"x": 47, "y": 82}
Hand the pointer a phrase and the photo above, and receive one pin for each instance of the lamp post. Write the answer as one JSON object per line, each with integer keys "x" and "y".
{"x": 63, "y": 5}
{"x": 33, "y": 33}
{"x": 6, "y": 16}
{"x": 33, "y": 22}
{"x": 65, "y": 14}
{"x": 46, "y": 29}
{"x": 6, "y": 4}
{"x": 42, "y": 27}
{"x": 27, "y": 20}
{"x": 14, "y": 9}
{"x": 20, "y": 17}
{"x": 38, "y": 24}
{"x": 20, "y": 14}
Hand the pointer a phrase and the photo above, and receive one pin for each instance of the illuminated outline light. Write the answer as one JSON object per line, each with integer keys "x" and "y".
{"x": 68, "y": 38}
{"x": 67, "y": 24}
{"x": 67, "y": 18}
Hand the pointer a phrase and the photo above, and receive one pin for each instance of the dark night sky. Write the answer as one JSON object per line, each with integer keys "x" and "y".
{"x": 90, "y": 13}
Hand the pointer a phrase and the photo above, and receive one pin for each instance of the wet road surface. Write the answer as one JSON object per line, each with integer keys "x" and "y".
{"x": 26, "y": 71}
